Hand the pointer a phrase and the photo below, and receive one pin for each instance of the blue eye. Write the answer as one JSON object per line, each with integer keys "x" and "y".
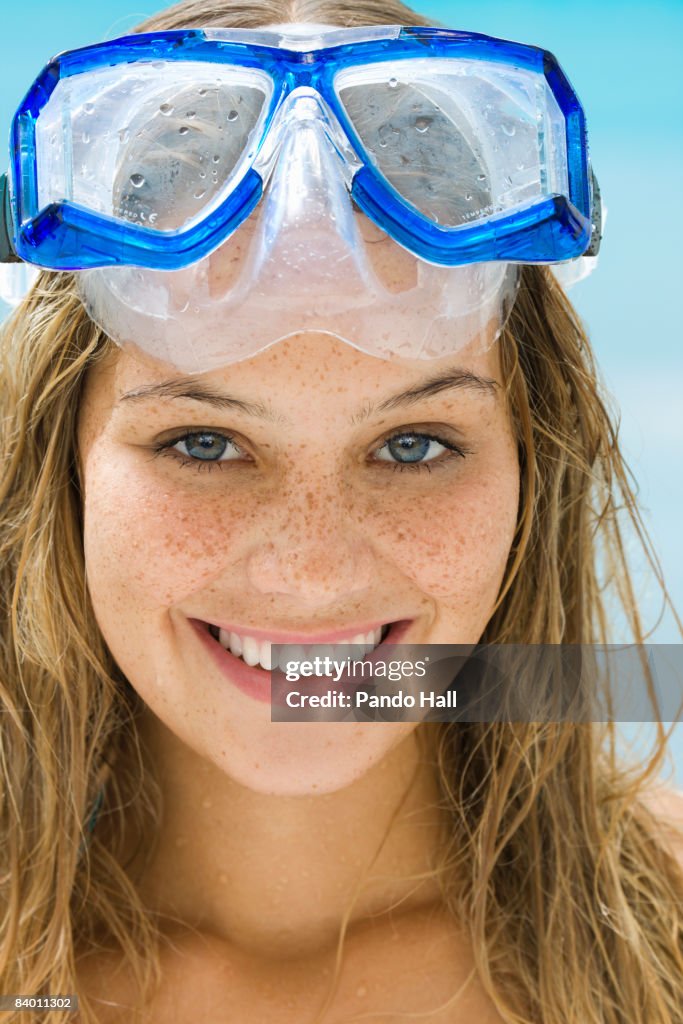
{"x": 411, "y": 449}
{"x": 207, "y": 446}
{"x": 202, "y": 449}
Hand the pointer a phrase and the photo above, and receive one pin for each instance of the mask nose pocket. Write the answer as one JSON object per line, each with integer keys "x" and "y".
{"x": 308, "y": 231}
{"x": 303, "y": 243}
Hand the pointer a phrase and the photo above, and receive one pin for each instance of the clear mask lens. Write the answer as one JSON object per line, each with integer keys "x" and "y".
{"x": 461, "y": 140}
{"x": 153, "y": 144}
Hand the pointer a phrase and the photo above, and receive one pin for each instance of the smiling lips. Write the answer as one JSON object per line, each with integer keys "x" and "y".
{"x": 259, "y": 652}
{"x": 253, "y": 677}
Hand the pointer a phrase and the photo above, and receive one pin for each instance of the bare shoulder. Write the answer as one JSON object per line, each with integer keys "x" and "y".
{"x": 666, "y": 805}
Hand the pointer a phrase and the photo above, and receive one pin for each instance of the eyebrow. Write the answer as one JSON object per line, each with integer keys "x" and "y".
{"x": 188, "y": 388}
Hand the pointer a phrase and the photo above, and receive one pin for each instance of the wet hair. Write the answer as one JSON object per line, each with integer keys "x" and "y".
{"x": 555, "y": 865}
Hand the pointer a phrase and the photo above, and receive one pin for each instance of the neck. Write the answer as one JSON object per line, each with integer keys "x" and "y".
{"x": 278, "y": 875}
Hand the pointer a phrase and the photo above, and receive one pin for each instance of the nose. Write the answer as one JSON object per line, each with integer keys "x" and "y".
{"x": 313, "y": 550}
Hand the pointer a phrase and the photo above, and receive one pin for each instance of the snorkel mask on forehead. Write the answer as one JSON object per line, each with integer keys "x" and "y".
{"x": 218, "y": 190}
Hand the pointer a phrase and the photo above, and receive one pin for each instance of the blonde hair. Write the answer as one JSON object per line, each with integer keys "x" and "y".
{"x": 551, "y": 852}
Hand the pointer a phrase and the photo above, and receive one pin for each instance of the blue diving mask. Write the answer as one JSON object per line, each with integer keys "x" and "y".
{"x": 217, "y": 190}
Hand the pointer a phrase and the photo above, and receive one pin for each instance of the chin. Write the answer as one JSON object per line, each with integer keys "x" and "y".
{"x": 312, "y": 759}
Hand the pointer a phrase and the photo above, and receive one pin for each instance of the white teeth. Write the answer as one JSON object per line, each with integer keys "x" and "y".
{"x": 325, "y": 651}
{"x": 293, "y": 652}
{"x": 266, "y": 657}
{"x": 259, "y": 652}
{"x": 251, "y": 651}
{"x": 230, "y": 641}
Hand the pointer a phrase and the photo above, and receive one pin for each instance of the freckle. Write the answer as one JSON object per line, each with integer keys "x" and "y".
{"x": 181, "y": 841}
{"x": 362, "y": 990}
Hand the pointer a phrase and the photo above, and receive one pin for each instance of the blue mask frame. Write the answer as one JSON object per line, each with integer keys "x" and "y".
{"x": 66, "y": 236}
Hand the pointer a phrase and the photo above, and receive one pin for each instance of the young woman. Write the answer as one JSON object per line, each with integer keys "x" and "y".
{"x": 308, "y": 434}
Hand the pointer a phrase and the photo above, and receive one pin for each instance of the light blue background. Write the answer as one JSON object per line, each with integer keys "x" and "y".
{"x": 624, "y": 60}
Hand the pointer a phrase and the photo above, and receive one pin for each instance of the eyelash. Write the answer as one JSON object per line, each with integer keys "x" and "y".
{"x": 166, "y": 449}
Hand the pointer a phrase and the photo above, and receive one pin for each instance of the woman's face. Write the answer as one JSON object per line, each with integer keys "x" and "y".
{"x": 311, "y": 489}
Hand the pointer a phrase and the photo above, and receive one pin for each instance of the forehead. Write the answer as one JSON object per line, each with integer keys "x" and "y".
{"x": 310, "y": 371}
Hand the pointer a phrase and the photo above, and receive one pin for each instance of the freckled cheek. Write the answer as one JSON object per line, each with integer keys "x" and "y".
{"x": 456, "y": 542}
{"x": 153, "y": 545}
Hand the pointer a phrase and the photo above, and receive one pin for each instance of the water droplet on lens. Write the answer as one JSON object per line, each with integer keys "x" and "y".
{"x": 216, "y": 159}
{"x": 153, "y": 218}
{"x": 137, "y": 180}
{"x": 88, "y": 107}
{"x": 124, "y": 135}
{"x": 392, "y": 83}
{"x": 468, "y": 197}
{"x": 233, "y": 115}
{"x": 165, "y": 109}
{"x": 183, "y": 130}
{"x": 86, "y": 138}
{"x": 422, "y": 124}
{"x": 509, "y": 129}
{"x": 200, "y": 193}
{"x": 481, "y": 177}
{"x": 202, "y": 174}
{"x": 203, "y": 92}
{"x": 191, "y": 114}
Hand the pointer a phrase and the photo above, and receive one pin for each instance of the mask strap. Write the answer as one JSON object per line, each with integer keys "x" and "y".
{"x": 7, "y": 253}
{"x": 597, "y": 220}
